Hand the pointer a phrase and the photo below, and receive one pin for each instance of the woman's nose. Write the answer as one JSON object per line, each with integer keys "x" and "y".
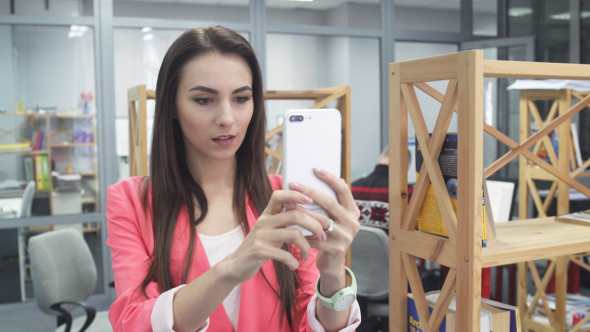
{"x": 225, "y": 116}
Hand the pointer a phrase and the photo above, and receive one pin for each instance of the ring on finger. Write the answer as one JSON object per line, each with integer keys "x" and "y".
{"x": 331, "y": 228}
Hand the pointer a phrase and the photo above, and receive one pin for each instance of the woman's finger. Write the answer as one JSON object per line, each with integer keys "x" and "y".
{"x": 331, "y": 206}
{"x": 339, "y": 186}
{"x": 289, "y": 235}
{"x": 283, "y": 256}
{"x": 281, "y": 197}
{"x": 300, "y": 217}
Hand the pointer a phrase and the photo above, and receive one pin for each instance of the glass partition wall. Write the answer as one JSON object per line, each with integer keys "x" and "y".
{"x": 66, "y": 67}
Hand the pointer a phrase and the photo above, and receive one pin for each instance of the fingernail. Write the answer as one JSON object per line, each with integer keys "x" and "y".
{"x": 297, "y": 187}
{"x": 306, "y": 199}
{"x": 306, "y": 257}
{"x": 324, "y": 236}
{"x": 290, "y": 206}
{"x": 321, "y": 171}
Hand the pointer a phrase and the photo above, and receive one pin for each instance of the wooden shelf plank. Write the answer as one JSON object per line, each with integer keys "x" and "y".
{"x": 532, "y": 239}
{"x": 73, "y": 116}
{"x": 67, "y": 145}
{"x": 36, "y": 115}
{"x": 31, "y": 152}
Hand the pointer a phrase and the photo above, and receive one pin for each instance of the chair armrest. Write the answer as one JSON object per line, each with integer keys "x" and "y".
{"x": 90, "y": 313}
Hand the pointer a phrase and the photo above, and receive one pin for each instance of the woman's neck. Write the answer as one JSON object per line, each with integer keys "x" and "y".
{"x": 213, "y": 175}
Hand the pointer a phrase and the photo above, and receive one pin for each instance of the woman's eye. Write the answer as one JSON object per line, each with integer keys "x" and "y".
{"x": 203, "y": 101}
{"x": 242, "y": 100}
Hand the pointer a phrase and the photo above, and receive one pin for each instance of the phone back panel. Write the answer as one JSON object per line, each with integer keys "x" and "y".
{"x": 315, "y": 142}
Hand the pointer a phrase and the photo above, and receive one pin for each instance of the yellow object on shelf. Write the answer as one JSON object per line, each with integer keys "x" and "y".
{"x": 21, "y": 145}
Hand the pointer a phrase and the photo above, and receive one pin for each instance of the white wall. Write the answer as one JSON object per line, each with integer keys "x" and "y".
{"x": 181, "y": 11}
{"x": 37, "y": 7}
{"x": 10, "y": 163}
{"x": 311, "y": 62}
{"x": 53, "y": 70}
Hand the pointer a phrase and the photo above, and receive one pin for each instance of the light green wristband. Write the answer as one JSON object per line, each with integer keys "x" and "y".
{"x": 343, "y": 298}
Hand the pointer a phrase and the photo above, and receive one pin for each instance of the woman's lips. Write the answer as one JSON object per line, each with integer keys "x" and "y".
{"x": 224, "y": 140}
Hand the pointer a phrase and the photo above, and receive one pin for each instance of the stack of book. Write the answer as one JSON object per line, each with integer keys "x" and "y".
{"x": 577, "y": 307}
{"x": 38, "y": 139}
{"x": 495, "y": 316}
{"x": 37, "y": 170}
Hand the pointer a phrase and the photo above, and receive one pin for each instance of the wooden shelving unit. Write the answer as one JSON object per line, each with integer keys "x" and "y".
{"x": 30, "y": 121}
{"x": 517, "y": 241}
{"x": 529, "y": 172}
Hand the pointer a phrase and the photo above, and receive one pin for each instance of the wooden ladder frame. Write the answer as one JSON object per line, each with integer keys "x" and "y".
{"x": 462, "y": 251}
{"x": 528, "y": 172}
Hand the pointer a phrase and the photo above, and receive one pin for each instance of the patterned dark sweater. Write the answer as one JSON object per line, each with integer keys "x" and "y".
{"x": 371, "y": 195}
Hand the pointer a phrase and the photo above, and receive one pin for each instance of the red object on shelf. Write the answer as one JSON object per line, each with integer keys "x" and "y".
{"x": 573, "y": 283}
{"x": 486, "y": 283}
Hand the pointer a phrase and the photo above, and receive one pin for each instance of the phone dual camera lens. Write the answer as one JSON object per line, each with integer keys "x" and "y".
{"x": 295, "y": 118}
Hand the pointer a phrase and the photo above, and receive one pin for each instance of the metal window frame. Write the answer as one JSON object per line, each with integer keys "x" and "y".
{"x": 103, "y": 23}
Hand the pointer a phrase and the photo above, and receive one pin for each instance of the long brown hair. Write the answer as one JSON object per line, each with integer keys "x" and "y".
{"x": 170, "y": 182}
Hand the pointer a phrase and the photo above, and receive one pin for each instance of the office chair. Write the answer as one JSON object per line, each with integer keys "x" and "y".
{"x": 370, "y": 263}
{"x": 64, "y": 275}
{"x": 26, "y": 204}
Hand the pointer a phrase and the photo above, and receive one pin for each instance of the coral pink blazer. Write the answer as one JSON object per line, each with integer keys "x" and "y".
{"x": 131, "y": 242}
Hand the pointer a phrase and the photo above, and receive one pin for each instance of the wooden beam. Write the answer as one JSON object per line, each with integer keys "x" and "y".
{"x": 433, "y": 168}
{"x": 576, "y": 261}
{"x": 422, "y": 306}
{"x": 548, "y": 146}
{"x": 536, "y": 137}
{"x": 430, "y": 247}
{"x": 537, "y": 70}
{"x": 436, "y": 68}
{"x": 398, "y": 202}
{"x": 445, "y": 116}
{"x": 541, "y": 292}
{"x": 549, "y": 197}
{"x": 536, "y": 198}
{"x": 442, "y": 304}
{"x": 580, "y": 169}
{"x": 542, "y": 285}
{"x": 530, "y": 156}
{"x": 470, "y": 170}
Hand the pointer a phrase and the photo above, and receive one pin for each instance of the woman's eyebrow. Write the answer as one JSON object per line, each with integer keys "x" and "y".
{"x": 204, "y": 88}
{"x": 244, "y": 88}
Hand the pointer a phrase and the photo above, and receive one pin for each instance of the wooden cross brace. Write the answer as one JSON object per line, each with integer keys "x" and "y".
{"x": 523, "y": 149}
{"x": 322, "y": 100}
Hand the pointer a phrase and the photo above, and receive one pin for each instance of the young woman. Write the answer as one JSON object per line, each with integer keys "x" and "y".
{"x": 201, "y": 243}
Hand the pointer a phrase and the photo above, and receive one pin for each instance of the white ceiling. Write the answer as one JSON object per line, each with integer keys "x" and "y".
{"x": 485, "y": 6}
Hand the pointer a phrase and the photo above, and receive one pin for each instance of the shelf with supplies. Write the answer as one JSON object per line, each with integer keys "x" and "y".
{"x": 521, "y": 241}
{"x": 46, "y": 143}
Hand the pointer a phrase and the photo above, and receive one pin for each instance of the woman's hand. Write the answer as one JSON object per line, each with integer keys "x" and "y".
{"x": 269, "y": 233}
{"x": 345, "y": 213}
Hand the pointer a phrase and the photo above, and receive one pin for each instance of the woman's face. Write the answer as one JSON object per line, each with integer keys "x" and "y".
{"x": 214, "y": 104}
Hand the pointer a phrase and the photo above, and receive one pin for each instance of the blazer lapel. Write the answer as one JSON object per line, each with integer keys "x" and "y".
{"x": 260, "y": 308}
{"x": 218, "y": 321}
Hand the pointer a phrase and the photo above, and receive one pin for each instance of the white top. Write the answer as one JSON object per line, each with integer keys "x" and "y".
{"x": 217, "y": 249}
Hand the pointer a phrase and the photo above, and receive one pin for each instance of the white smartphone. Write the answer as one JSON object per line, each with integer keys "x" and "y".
{"x": 312, "y": 138}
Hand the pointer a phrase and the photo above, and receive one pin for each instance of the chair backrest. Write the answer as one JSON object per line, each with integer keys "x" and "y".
{"x": 370, "y": 262}
{"x": 62, "y": 268}
{"x": 27, "y": 203}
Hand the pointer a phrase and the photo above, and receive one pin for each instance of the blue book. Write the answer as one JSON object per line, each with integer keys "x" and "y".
{"x": 414, "y": 324}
